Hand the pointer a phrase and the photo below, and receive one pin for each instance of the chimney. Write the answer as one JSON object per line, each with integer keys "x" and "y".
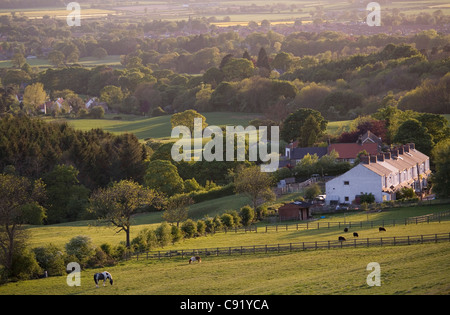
{"x": 412, "y": 146}
{"x": 394, "y": 152}
{"x": 400, "y": 150}
{"x": 406, "y": 148}
{"x": 373, "y": 158}
{"x": 387, "y": 155}
{"x": 380, "y": 157}
{"x": 364, "y": 159}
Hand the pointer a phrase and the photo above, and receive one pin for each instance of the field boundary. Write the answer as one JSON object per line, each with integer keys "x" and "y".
{"x": 290, "y": 247}
{"x": 312, "y": 225}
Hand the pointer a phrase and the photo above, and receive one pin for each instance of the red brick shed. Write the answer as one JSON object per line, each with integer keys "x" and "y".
{"x": 298, "y": 210}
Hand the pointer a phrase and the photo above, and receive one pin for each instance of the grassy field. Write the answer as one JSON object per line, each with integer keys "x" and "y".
{"x": 89, "y": 62}
{"x": 154, "y": 127}
{"x": 416, "y": 269}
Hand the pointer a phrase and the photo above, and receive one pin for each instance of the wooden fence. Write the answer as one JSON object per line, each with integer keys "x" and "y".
{"x": 290, "y": 247}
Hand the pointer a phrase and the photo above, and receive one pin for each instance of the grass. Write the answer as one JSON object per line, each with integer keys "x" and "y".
{"x": 154, "y": 127}
{"x": 416, "y": 269}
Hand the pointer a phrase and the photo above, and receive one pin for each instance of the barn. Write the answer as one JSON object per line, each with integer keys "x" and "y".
{"x": 298, "y": 210}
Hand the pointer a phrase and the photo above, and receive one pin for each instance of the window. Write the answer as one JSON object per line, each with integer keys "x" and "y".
{"x": 346, "y": 182}
{"x": 346, "y": 199}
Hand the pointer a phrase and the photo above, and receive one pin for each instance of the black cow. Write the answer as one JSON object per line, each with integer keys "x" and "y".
{"x": 381, "y": 229}
{"x": 355, "y": 234}
{"x": 341, "y": 238}
{"x": 345, "y": 229}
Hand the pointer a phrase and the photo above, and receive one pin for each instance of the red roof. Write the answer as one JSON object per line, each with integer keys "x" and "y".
{"x": 351, "y": 150}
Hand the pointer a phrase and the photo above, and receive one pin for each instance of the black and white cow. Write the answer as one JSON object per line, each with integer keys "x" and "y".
{"x": 103, "y": 276}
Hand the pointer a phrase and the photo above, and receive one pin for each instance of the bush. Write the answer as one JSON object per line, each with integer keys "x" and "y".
{"x": 176, "y": 234}
{"x": 189, "y": 228}
{"x": 51, "y": 259}
{"x": 81, "y": 248}
{"x": 247, "y": 215}
{"x": 227, "y": 220}
{"x": 97, "y": 112}
{"x": 261, "y": 212}
{"x": 201, "y": 227}
{"x": 33, "y": 213}
{"x": 164, "y": 234}
{"x": 144, "y": 241}
{"x": 367, "y": 198}
{"x": 24, "y": 265}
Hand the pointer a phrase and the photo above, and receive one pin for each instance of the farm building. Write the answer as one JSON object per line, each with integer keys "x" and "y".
{"x": 298, "y": 210}
{"x": 382, "y": 175}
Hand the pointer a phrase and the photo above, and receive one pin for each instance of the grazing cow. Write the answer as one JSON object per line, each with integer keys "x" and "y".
{"x": 341, "y": 238}
{"x": 103, "y": 276}
{"x": 195, "y": 258}
{"x": 345, "y": 229}
{"x": 381, "y": 229}
{"x": 355, "y": 234}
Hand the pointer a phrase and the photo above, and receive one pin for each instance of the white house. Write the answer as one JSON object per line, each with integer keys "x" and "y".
{"x": 382, "y": 175}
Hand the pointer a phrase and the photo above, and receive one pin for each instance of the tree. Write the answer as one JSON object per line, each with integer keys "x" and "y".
{"x": 292, "y": 126}
{"x": 441, "y": 178}
{"x": 15, "y": 192}
{"x": 163, "y": 176}
{"x": 100, "y": 53}
{"x": 413, "y": 131}
{"x": 56, "y": 58}
{"x": 263, "y": 60}
{"x": 18, "y": 60}
{"x": 118, "y": 202}
{"x": 112, "y": 95}
{"x": 177, "y": 209}
{"x": 68, "y": 199}
{"x": 252, "y": 182}
{"x": 186, "y": 118}
{"x": 238, "y": 69}
{"x": 247, "y": 215}
{"x": 34, "y": 96}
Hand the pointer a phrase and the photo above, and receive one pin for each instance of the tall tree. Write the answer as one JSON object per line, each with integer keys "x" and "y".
{"x": 15, "y": 193}
{"x": 441, "y": 178}
{"x": 263, "y": 60}
{"x": 163, "y": 176}
{"x": 34, "y": 96}
{"x": 292, "y": 126}
{"x": 255, "y": 184}
{"x": 117, "y": 203}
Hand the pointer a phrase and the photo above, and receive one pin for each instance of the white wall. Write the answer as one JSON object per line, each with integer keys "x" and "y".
{"x": 360, "y": 180}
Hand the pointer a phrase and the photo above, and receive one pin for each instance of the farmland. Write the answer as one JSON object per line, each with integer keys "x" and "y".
{"x": 416, "y": 269}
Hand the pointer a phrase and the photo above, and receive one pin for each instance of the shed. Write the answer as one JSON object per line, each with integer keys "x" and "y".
{"x": 298, "y": 210}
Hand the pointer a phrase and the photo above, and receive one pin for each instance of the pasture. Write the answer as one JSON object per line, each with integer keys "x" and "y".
{"x": 414, "y": 269}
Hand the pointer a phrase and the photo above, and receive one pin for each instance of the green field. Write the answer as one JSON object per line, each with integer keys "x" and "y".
{"x": 155, "y": 127}
{"x": 88, "y": 62}
{"x": 414, "y": 269}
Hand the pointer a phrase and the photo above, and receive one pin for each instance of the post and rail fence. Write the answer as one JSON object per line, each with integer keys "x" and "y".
{"x": 295, "y": 246}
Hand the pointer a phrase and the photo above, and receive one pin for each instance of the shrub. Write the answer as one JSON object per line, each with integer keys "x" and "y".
{"x": 97, "y": 112}
{"x": 367, "y": 198}
{"x": 247, "y": 215}
{"x": 24, "y": 265}
{"x": 189, "y": 228}
{"x": 164, "y": 234}
{"x": 201, "y": 227}
{"x": 81, "y": 247}
{"x": 51, "y": 259}
{"x": 261, "y": 212}
{"x": 144, "y": 241}
{"x": 227, "y": 220}
{"x": 176, "y": 234}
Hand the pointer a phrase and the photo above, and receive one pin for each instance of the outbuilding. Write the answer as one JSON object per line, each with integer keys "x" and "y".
{"x": 298, "y": 210}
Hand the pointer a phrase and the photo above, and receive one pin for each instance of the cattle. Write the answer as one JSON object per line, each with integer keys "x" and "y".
{"x": 355, "y": 234}
{"x": 195, "y": 258}
{"x": 381, "y": 229}
{"x": 341, "y": 238}
{"x": 345, "y": 229}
